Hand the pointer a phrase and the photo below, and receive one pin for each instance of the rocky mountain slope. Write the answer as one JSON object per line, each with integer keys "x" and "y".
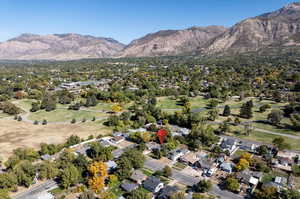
{"x": 58, "y": 47}
{"x": 171, "y": 42}
{"x": 280, "y": 28}
{"x": 276, "y": 30}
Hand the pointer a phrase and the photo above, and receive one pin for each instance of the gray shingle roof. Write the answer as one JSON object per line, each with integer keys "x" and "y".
{"x": 151, "y": 183}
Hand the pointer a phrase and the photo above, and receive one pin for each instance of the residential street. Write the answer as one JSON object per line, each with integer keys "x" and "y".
{"x": 48, "y": 185}
{"x": 188, "y": 180}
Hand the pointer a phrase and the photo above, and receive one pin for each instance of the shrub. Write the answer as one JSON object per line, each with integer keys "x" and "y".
{"x": 19, "y": 118}
{"x": 44, "y": 122}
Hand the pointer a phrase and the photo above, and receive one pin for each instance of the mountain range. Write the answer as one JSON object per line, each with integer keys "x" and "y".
{"x": 277, "y": 29}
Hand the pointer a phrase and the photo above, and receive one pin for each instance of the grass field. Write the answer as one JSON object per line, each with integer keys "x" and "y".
{"x": 64, "y": 115}
{"x": 15, "y": 134}
{"x": 268, "y": 138}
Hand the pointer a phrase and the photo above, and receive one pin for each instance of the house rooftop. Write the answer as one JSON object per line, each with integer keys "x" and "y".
{"x": 151, "y": 183}
{"x": 167, "y": 192}
{"x": 138, "y": 175}
{"x": 128, "y": 186}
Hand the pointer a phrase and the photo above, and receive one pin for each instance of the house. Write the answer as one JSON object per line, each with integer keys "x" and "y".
{"x": 227, "y": 167}
{"x": 117, "y": 139}
{"x": 128, "y": 186}
{"x": 138, "y": 176}
{"x": 221, "y": 159}
{"x": 229, "y": 144}
{"x": 46, "y": 157}
{"x": 111, "y": 165}
{"x": 283, "y": 163}
{"x": 281, "y": 181}
{"x": 209, "y": 167}
{"x": 153, "y": 184}
{"x": 249, "y": 178}
{"x": 278, "y": 183}
{"x": 189, "y": 158}
{"x": 248, "y": 146}
{"x": 153, "y": 146}
{"x": 40, "y": 195}
{"x": 167, "y": 192}
{"x": 137, "y": 130}
{"x": 287, "y": 154}
{"x": 177, "y": 153}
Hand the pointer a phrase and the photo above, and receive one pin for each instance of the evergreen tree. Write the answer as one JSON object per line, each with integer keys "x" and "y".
{"x": 226, "y": 111}
{"x": 246, "y": 110}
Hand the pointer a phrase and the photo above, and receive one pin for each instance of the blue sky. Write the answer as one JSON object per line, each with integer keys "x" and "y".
{"x": 123, "y": 20}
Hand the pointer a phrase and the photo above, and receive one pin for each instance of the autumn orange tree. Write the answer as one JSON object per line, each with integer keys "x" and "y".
{"x": 116, "y": 108}
{"x": 98, "y": 173}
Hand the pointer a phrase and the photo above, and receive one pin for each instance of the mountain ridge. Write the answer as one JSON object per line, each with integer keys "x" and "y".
{"x": 276, "y": 29}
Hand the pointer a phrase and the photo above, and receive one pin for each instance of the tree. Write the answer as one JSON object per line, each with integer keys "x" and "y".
{"x": 264, "y": 107}
{"x": 123, "y": 169}
{"x": 262, "y": 150}
{"x": 246, "y": 110}
{"x": 72, "y": 140}
{"x": 113, "y": 181}
{"x": 48, "y": 102}
{"x": 226, "y": 111}
{"x": 4, "y": 194}
{"x": 178, "y": 195}
{"x": 266, "y": 193}
{"x": 290, "y": 194}
{"x": 296, "y": 170}
{"x": 8, "y": 181}
{"x": 116, "y": 108}
{"x": 232, "y": 184}
{"x": 98, "y": 173}
{"x": 242, "y": 164}
{"x": 87, "y": 195}
{"x": 203, "y": 186}
{"x": 25, "y": 173}
{"x": 136, "y": 158}
{"x": 248, "y": 128}
{"x": 35, "y": 106}
{"x": 10, "y": 108}
{"x": 19, "y": 118}
{"x": 275, "y": 117}
{"x": 213, "y": 103}
{"x": 47, "y": 170}
{"x": 295, "y": 120}
{"x": 73, "y": 121}
{"x": 69, "y": 176}
{"x": 138, "y": 194}
{"x": 99, "y": 152}
{"x": 280, "y": 143}
{"x": 213, "y": 114}
{"x": 202, "y": 134}
{"x": 44, "y": 122}
{"x": 167, "y": 171}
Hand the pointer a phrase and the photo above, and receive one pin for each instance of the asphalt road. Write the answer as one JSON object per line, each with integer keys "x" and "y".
{"x": 188, "y": 180}
{"x": 48, "y": 185}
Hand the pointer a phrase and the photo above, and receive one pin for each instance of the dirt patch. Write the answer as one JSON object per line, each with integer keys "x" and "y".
{"x": 15, "y": 134}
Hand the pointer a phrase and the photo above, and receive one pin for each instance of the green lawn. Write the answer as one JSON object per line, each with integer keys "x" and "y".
{"x": 268, "y": 138}
{"x": 167, "y": 103}
{"x": 24, "y": 104}
{"x": 2, "y": 115}
{"x": 64, "y": 115}
{"x": 270, "y": 176}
